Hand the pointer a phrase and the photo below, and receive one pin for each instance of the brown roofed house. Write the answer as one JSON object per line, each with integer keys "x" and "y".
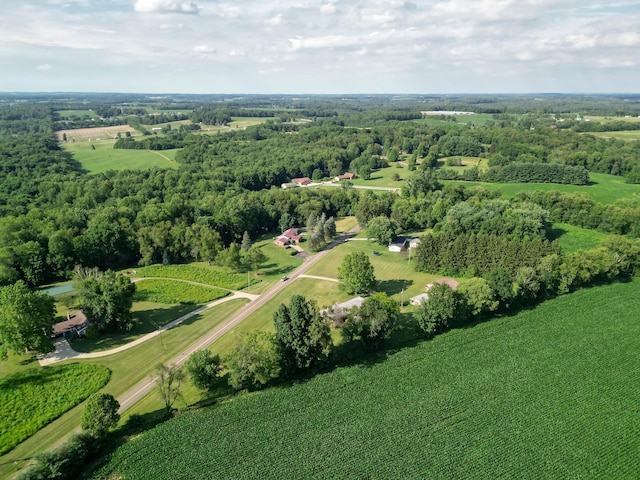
{"x": 75, "y": 323}
{"x": 345, "y": 176}
{"x": 449, "y": 281}
{"x": 303, "y": 182}
{"x": 288, "y": 237}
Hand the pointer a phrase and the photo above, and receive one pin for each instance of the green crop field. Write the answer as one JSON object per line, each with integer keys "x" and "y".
{"x": 550, "y": 392}
{"x": 175, "y": 291}
{"x": 604, "y": 188}
{"x": 32, "y": 399}
{"x": 214, "y": 276}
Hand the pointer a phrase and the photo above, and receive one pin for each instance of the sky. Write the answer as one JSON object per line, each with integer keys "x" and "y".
{"x": 320, "y": 46}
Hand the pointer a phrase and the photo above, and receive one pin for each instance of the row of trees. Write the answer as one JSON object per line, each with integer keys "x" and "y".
{"x": 519, "y": 172}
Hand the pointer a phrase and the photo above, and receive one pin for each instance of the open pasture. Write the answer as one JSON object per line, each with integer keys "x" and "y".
{"x": 603, "y": 188}
{"x": 573, "y": 238}
{"x": 627, "y": 135}
{"x": 394, "y": 271}
{"x": 76, "y": 113}
{"x": 550, "y": 392}
{"x": 100, "y": 156}
{"x": 175, "y": 291}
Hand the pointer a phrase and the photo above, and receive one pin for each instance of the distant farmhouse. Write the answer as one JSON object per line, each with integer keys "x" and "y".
{"x": 339, "y": 311}
{"x": 297, "y": 182}
{"x": 345, "y": 176}
{"x": 419, "y": 299}
{"x": 289, "y": 237}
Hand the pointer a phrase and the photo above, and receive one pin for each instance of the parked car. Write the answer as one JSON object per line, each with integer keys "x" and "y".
{"x": 284, "y": 279}
{"x": 376, "y": 254}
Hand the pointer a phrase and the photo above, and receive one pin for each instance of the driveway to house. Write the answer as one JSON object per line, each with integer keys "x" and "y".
{"x": 64, "y": 351}
{"x": 328, "y": 279}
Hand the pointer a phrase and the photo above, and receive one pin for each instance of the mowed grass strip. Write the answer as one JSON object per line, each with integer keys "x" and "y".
{"x": 214, "y": 276}
{"x": 173, "y": 291}
{"x": 547, "y": 393}
{"x": 34, "y": 398}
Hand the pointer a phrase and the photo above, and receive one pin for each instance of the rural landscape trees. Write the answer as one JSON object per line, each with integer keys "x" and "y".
{"x": 219, "y": 201}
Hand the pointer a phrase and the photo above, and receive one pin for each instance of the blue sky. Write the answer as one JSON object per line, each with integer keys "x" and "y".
{"x": 324, "y": 46}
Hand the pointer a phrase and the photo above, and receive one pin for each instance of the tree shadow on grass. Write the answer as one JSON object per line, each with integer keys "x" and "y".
{"x": 555, "y": 233}
{"x": 392, "y": 287}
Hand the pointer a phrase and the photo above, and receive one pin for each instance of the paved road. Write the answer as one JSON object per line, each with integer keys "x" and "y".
{"x": 142, "y": 388}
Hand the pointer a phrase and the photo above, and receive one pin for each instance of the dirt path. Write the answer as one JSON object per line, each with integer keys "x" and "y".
{"x": 175, "y": 164}
{"x": 328, "y": 279}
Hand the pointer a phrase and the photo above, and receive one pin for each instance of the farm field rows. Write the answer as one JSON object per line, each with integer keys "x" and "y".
{"x": 546, "y": 393}
{"x": 207, "y": 275}
{"x": 172, "y": 291}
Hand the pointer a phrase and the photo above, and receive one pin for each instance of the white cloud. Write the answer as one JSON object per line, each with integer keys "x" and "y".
{"x": 44, "y": 67}
{"x": 328, "y": 9}
{"x": 203, "y": 49}
{"x": 165, "y": 6}
{"x": 275, "y": 20}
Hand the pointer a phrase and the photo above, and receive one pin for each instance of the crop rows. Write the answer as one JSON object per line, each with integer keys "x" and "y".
{"x": 168, "y": 291}
{"x": 32, "y": 399}
{"x": 546, "y": 393}
{"x": 207, "y": 276}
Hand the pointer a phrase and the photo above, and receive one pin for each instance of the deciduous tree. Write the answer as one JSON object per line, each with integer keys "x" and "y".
{"x": 100, "y": 414}
{"x": 25, "y": 320}
{"x": 302, "y": 333}
{"x": 254, "y": 361}
{"x": 168, "y": 381}
{"x": 203, "y": 369}
{"x": 356, "y": 273}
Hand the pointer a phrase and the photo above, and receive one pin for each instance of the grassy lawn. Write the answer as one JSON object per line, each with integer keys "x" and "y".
{"x": 344, "y": 224}
{"x": 127, "y": 368}
{"x": 604, "y": 188}
{"x": 576, "y": 238}
{"x": 279, "y": 262}
{"x": 395, "y": 275}
{"x": 382, "y": 177}
{"x": 550, "y": 392}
